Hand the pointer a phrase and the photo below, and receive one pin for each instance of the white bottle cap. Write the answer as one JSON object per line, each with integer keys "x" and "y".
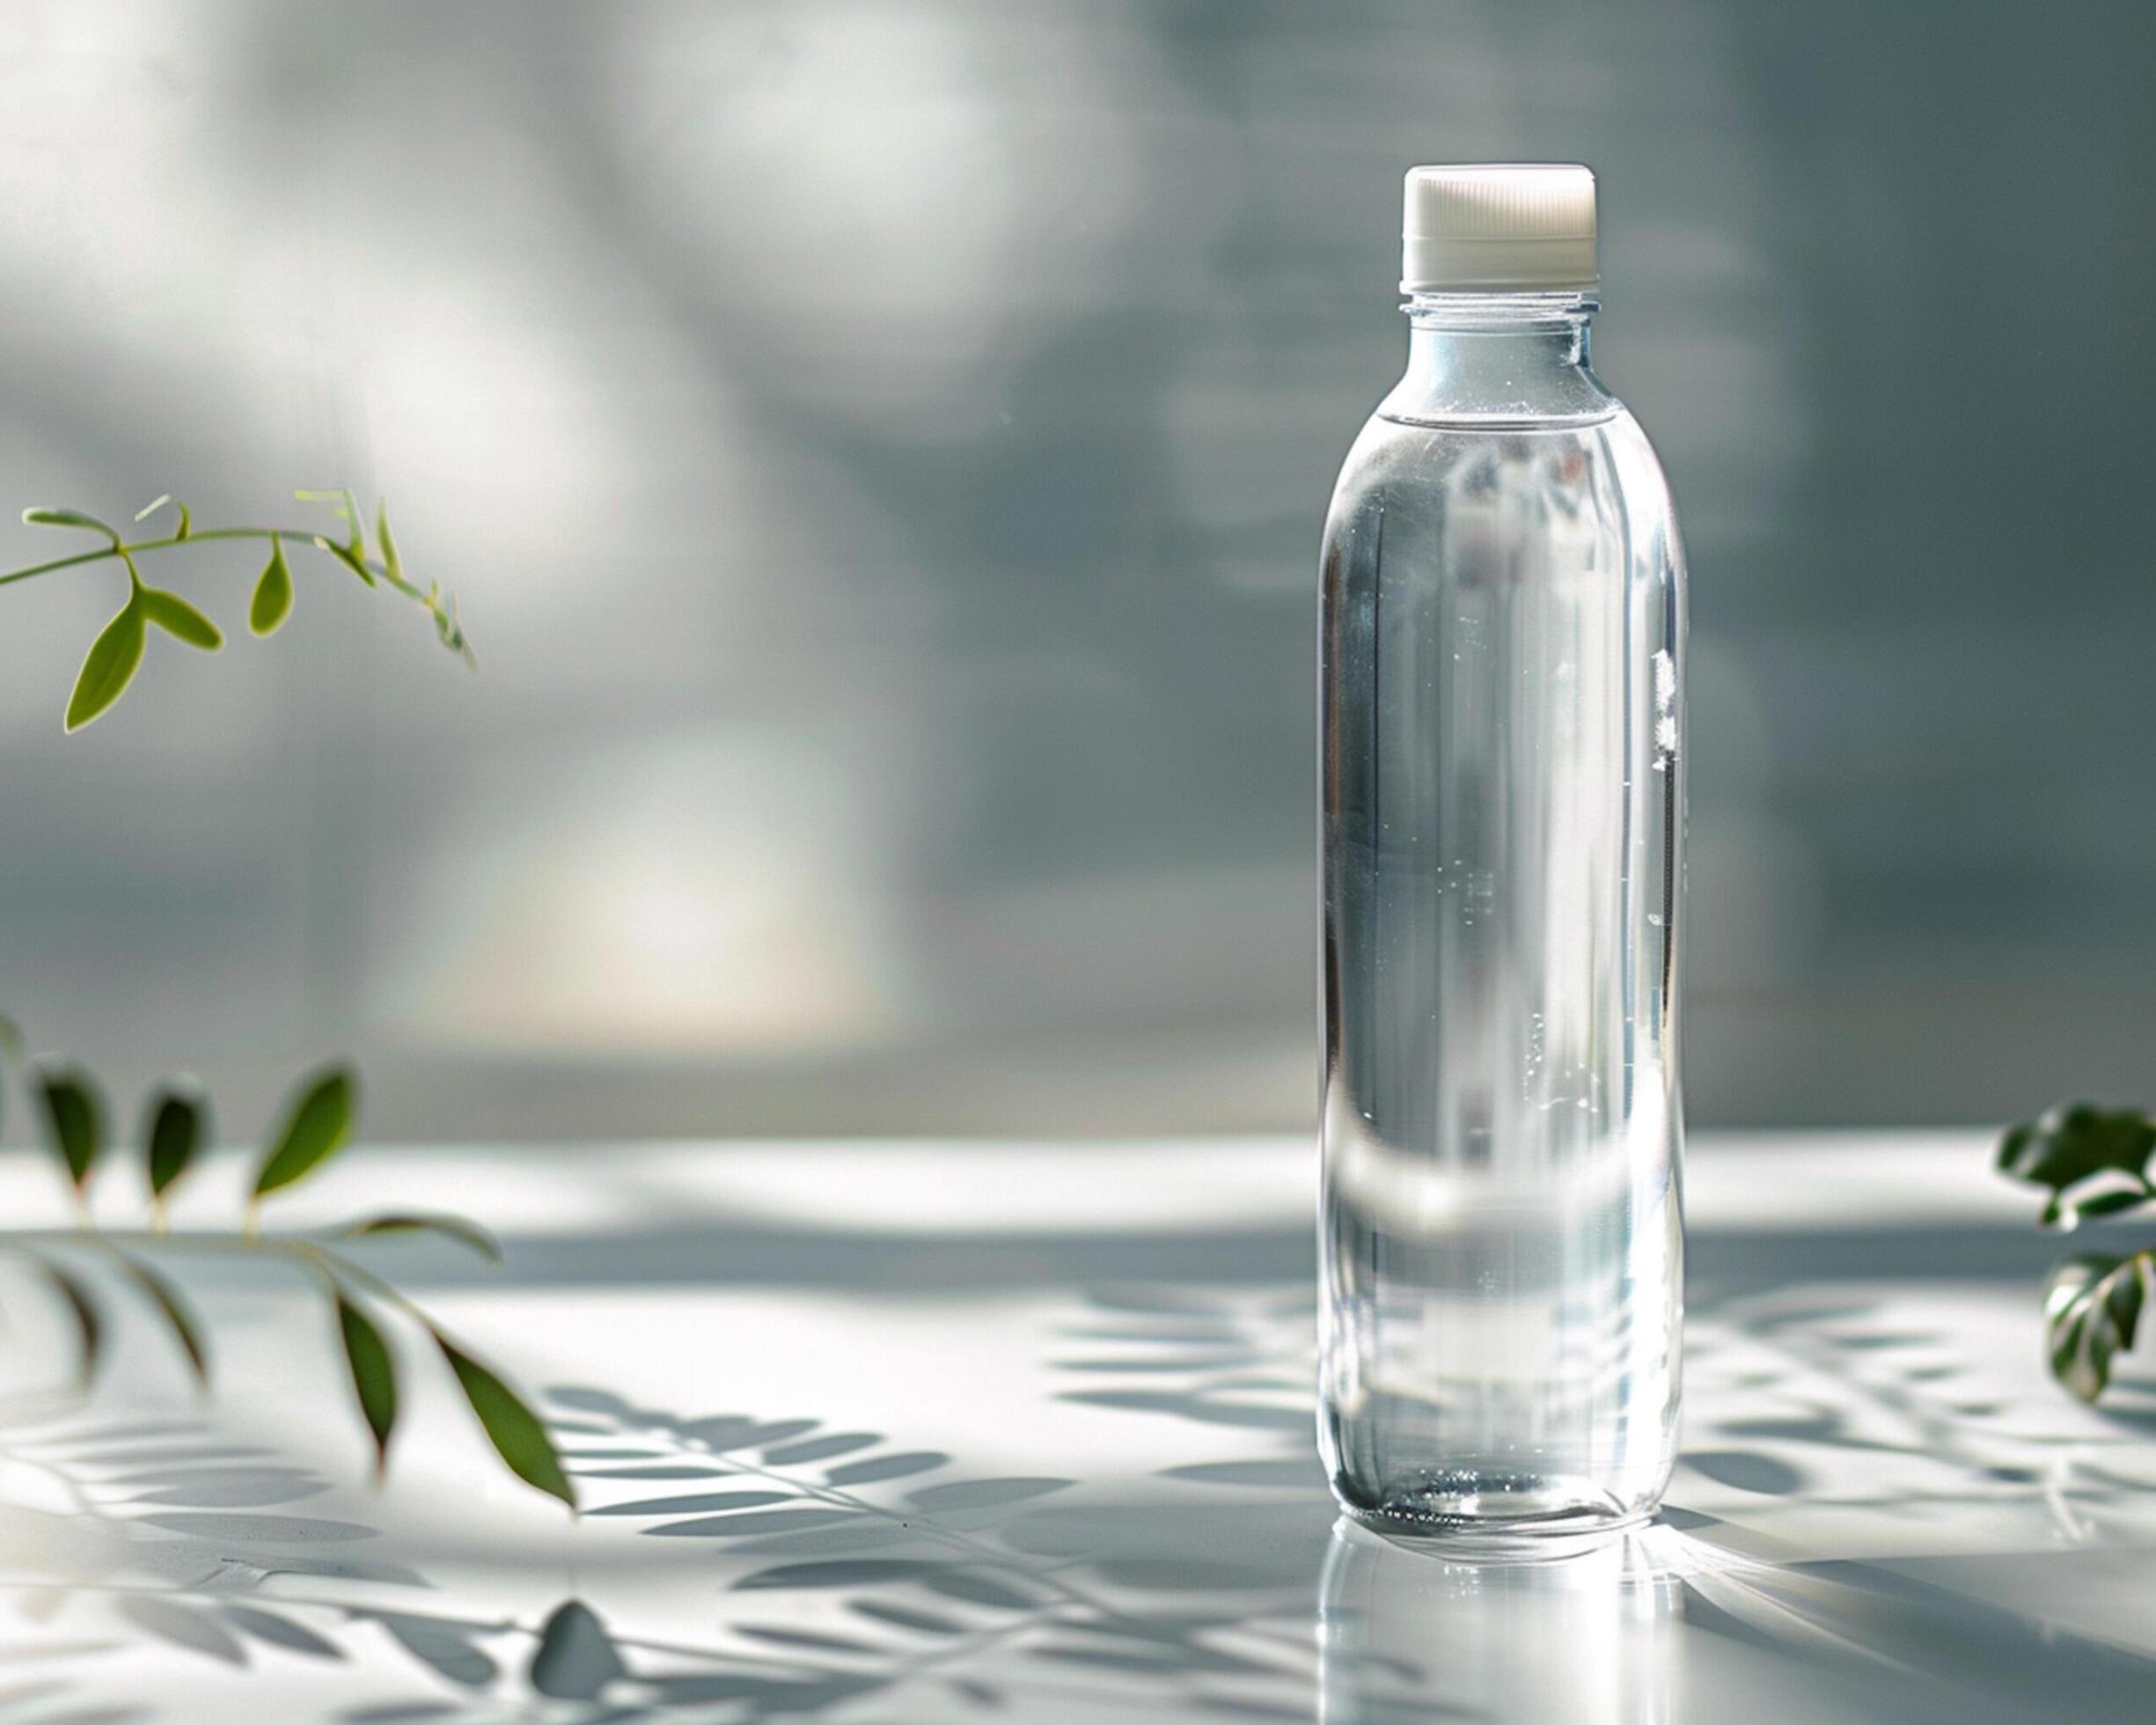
{"x": 1523, "y": 227}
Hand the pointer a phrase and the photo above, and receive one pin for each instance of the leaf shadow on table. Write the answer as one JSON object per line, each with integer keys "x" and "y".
{"x": 1812, "y": 1394}
{"x": 1845, "y": 1400}
{"x": 1233, "y": 1357}
{"x": 849, "y": 1565}
{"x": 852, "y": 1565}
{"x": 1190, "y": 1587}
{"x": 167, "y": 1531}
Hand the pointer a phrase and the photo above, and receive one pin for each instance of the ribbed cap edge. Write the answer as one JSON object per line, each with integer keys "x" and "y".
{"x": 1498, "y": 226}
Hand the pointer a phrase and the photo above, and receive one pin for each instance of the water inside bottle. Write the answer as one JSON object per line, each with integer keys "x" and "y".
{"x": 1501, "y": 1213}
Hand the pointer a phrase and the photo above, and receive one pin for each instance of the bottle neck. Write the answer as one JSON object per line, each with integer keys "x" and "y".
{"x": 1489, "y": 357}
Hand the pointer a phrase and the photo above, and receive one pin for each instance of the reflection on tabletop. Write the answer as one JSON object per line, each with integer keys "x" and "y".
{"x": 948, "y": 1457}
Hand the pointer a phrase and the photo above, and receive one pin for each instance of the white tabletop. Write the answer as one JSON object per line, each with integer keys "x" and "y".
{"x": 932, "y": 1431}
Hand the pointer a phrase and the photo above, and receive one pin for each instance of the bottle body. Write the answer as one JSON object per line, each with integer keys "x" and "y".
{"x": 1503, "y": 815}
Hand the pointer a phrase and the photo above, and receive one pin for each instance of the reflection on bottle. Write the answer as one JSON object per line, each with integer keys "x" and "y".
{"x": 1403, "y": 1635}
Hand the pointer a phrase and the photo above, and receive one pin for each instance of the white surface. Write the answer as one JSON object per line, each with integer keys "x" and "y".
{"x": 1886, "y": 1511}
{"x": 1734, "y": 1182}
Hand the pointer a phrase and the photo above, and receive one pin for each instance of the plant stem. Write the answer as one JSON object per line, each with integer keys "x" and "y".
{"x": 333, "y": 1269}
{"x": 292, "y": 1247}
{"x": 334, "y": 1266}
{"x": 128, "y": 549}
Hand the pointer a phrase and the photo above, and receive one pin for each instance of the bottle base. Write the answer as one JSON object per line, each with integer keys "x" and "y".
{"x": 1479, "y": 1515}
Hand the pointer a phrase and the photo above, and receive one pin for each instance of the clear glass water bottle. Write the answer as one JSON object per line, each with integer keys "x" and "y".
{"x": 1503, "y": 799}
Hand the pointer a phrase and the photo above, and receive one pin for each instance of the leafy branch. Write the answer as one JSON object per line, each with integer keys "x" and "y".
{"x": 116, "y": 654}
{"x": 2095, "y": 1163}
{"x": 70, "y": 1106}
{"x": 316, "y": 1124}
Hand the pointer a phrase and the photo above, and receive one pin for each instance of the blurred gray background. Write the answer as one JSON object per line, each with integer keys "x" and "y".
{"x": 880, "y": 449}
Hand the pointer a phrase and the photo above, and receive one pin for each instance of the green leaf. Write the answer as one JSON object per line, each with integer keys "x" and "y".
{"x": 186, "y": 520}
{"x": 89, "y": 1328}
{"x": 165, "y": 1298}
{"x": 319, "y": 1122}
{"x": 2091, "y": 1306}
{"x": 2067, "y": 1212}
{"x": 374, "y": 1374}
{"x": 413, "y": 1221}
{"x": 392, "y": 563}
{"x": 450, "y": 626}
{"x": 69, "y": 518}
{"x": 346, "y": 506}
{"x": 177, "y": 1123}
{"x": 109, "y": 666}
{"x": 180, "y": 620}
{"x": 352, "y": 551}
{"x": 517, "y": 1434}
{"x": 347, "y": 556}
{"x": 74, "y": 1119}
{"x": 273, "y": 593}
{"x": 2094, "y": 1160}
{"x": 2075, "y": 1140}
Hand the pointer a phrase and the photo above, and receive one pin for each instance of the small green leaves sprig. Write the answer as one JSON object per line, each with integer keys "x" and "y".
{"x": 116, "y": 654}
{"x": 2095, "y": 1163}
{"x": 316, "y": 1123}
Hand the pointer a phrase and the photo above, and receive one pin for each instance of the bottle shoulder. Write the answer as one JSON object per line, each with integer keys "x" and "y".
{"x": 1487, "y": 391}
{"x": 1542, "y": 480}
{"x": 1418, "y": 415}
{"x": 1393, "y": 450}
